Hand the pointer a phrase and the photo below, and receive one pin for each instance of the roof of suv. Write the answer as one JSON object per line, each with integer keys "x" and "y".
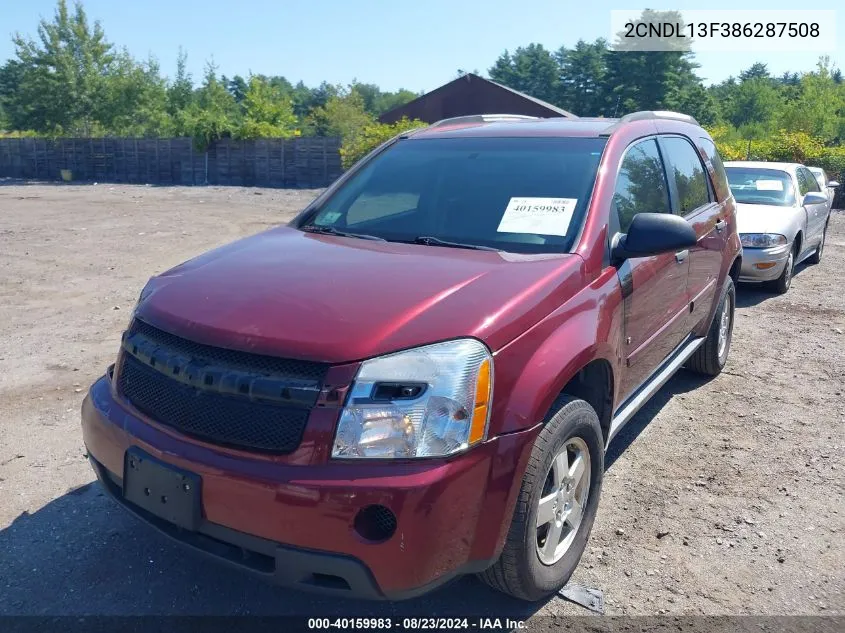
{"x": 506, "y": 125}
{"x": 558, "y": 126}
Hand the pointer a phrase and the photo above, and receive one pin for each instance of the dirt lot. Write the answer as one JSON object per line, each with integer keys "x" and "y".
{"x": 721, "y": 497}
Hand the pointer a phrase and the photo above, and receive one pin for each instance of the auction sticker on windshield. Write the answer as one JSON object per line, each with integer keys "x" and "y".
{"x": 769, "y": 185}
{"x": 543, "y": 216}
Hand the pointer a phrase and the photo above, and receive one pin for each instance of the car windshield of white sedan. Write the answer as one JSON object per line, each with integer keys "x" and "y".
{"x": 524, "y": 195}
{"x": 754, "y": 185}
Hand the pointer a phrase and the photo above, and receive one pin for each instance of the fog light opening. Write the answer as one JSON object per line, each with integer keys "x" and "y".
{"x": 375, "y": 523}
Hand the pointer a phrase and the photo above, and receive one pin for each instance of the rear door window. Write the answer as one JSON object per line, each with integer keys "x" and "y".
{"x": 641, "y": 184}
{"x": 812, "y": 184}
{"x": 686, "y": 172}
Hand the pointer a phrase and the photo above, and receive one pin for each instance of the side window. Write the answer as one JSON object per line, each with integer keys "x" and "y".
{"x": 721, "y": 181}
{"x": 812, "y": 183}
{"x": 803, "y": 185}
{"x": 641, "y": 184}
{"x": 687, "y": 170}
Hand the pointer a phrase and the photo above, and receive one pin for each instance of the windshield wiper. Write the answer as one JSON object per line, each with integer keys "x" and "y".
{"x": 330, "y": 230}
{"x": 436, "y": 241}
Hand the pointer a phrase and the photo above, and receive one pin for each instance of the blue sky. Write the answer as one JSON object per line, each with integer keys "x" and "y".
{"x": 393, "y": 43}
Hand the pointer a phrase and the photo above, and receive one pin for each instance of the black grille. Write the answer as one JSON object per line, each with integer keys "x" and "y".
{"x": 260, "y": 413}
{"x": 298, "y": 369}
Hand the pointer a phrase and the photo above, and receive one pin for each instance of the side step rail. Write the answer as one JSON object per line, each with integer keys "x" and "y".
{"x": 671, "y": 365}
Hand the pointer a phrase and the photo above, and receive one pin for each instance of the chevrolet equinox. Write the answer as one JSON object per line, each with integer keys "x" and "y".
{"x": 419, "y": 375}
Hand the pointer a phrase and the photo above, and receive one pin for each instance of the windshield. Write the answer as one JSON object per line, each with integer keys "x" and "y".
{"x": 756, "y": 185}
{"x": 515, "y": 194}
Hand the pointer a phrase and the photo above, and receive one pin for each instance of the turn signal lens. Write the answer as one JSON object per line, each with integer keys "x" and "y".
{"x": 482, "y": 404}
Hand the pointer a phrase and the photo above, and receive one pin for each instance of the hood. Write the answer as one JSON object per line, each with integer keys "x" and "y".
{"x": 765, "y": 218}
{"x": 336, "y": 299}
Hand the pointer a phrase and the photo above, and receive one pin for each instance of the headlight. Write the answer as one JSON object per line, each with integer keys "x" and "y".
{"x": 761, "y": 240}
{"x": 428, "y": 401}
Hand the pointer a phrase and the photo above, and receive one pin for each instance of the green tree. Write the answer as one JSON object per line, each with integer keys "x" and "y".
{"x": 16, "y": 112}
{"x": 641, "y": 79}
{"x": 343, "y": 115}
{"x": 753, "y": 101}
{"x": 581, "y": 78}
{"x": 371, "y": 136}
{"x": 758, "y": 70}
{"x": 64, "y": 72}
{"x": 819, "y": 109}
{"x": 212, "y": 114}
{"x": 237, "y": 86}
{"x": 135, "y": 99}
{"x": 532, "y": 70}
{"x": 180, "y": 92}
{"x": 377, "y": 102}
{"x": 268, "y": 112}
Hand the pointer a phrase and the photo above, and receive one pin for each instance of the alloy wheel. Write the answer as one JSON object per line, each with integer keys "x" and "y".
{"x": 563, "y": 500}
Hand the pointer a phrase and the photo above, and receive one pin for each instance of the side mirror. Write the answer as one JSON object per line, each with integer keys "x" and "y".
{"x": 833, "y": 184}
{"x": 815, "y": 197}
{"x": 654, "y": 234}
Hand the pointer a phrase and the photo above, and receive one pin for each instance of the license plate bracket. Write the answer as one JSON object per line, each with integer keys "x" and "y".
{"x": 168, "y": 492}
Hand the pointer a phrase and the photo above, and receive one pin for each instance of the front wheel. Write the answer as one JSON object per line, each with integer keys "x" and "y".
{"x": 556, "y": 506}
{"x": 710, "y": 358}
{"x": 782, "y": 283}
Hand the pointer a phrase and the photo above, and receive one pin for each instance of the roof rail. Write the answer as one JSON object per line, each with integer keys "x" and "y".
{"x": 484, "y": 118}
{"x": 657, "y": 114}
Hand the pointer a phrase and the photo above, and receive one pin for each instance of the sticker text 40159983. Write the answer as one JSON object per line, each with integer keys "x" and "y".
{"x": 541, "y": 216}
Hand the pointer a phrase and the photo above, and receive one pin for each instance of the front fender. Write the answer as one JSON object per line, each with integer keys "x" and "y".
{"x": 532, "y": 370}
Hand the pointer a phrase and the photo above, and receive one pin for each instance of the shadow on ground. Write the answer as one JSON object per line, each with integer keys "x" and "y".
{"x": 682, "y": 382}
{"x": 83, "y": 554}
{"x": 748, "y": 295}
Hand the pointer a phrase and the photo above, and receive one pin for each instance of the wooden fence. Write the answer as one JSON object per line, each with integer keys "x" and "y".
{"x": 310, "y": 162}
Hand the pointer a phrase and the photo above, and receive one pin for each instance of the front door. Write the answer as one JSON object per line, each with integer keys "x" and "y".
{"x": 654, "y": 288}
{"x": 816, "y": 213}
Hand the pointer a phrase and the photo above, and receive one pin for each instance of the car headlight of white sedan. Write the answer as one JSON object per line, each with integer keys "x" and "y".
{"x": 761, "y": 240}
{"x": 429, "y": 401}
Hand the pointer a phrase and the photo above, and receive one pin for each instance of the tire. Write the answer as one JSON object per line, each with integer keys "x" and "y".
{"x": 782, "y": 283}
{"x": 710, "y": 358}
{"x": 519, "y": 571}
{"x": 816, "y": 257}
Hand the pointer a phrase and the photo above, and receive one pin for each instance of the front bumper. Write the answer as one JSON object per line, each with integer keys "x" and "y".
{"x": 294, "y": 523}
{"x": 753, "y": 258}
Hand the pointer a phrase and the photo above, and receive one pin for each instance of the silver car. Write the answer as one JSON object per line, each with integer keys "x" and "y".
{"x": 825, "y": 183}
{"x": 782, "y": 216}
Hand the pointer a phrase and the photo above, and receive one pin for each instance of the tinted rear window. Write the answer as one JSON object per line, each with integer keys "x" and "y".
{"x": 459, "y": 190}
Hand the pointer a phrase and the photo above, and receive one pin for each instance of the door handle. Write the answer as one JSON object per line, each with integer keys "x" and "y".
{"x": 681, "y": 256}
{"x": 721, "y": 224}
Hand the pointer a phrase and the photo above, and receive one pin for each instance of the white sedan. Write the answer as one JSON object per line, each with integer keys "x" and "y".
{"x": 782, "y": 216}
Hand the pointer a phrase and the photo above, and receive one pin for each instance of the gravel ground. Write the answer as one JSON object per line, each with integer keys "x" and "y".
{"x": 721, "y": 497}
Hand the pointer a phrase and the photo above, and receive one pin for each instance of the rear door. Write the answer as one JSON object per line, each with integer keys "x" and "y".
{"x": 654, "y": 288}
{"x": 693, "y": 197}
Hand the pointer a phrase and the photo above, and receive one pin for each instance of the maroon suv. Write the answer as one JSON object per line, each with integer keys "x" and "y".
{"x": 418, "y": 377}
